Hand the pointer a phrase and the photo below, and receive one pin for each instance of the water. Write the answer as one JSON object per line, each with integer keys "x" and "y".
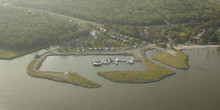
{"x": 193, "y": 89}
{"x": 83, "y": 65}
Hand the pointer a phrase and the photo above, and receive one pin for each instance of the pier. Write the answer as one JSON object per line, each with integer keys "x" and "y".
{"x": 109, "y": 61}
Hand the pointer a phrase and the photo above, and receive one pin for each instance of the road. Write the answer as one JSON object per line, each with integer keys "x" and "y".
{"x": 9, "y": 4}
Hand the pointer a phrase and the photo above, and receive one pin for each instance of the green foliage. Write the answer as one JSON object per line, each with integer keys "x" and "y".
{"x": 26, "y": 29}
{"x": 212, "y": 35}
{"x": 7, "y": 54}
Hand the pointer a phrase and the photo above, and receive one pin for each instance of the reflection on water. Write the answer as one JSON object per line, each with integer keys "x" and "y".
{"x": 194, "y": 89}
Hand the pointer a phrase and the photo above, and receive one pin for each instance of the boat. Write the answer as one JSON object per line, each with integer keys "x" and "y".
{"x": 97, "y": 63}
{"x": 130, "y": 61}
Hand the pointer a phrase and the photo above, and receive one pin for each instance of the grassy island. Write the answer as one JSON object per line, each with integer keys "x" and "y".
{"x": 71, "y": 77}
{"x": 179, "y": 60}
{"x": 153, "y": 73}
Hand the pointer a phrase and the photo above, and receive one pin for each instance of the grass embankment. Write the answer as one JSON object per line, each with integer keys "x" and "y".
{"x": 179, "y": 61}
{"x": 72, "y": 78}
{"x": 153, "y": 73}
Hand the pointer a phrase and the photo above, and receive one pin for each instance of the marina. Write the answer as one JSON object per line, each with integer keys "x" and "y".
{"x": 188, "y": 88}
{"x": 109, "y": 61}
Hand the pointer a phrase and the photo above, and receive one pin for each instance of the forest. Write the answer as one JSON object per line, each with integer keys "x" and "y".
{"x": 23, "y": 28}
{"x": 131, "y": 12}
{"x": 26, "y": 29}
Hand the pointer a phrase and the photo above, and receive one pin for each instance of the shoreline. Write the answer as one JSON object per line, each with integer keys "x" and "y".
{"x": 180, "y": 48}
{"x": 27, "y": 52}
{"x": 61, "y": 81}
{"x": 138, "y": 82}
{"x": 50, "y": 76}
{"x": 152, "y": 68}
{"x": 173, "y": 66}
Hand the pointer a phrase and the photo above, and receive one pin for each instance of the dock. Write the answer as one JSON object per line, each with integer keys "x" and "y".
{"x": 109, "y": 61}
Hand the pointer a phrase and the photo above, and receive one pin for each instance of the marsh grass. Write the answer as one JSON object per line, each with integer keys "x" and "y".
{"x": 180, "y": 60}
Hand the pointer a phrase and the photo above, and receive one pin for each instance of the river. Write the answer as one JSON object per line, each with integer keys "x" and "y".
{"x": 194, "y": 89}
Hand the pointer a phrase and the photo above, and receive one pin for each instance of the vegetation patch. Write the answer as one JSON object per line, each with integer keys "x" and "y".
{"x": 180, "y": 60}
{"x": 153, "y": 73}
{"x": 71, "y": 77}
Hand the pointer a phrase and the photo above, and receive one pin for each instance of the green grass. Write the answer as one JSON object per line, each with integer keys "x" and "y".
{"x": 179, "y": 61}
{"x": 73, "y": 78}
{"x": 8, "y": 54}
{"x": 153, "y": 72}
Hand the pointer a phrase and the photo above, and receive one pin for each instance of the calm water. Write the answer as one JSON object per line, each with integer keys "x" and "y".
{"x": 194, "y": 89}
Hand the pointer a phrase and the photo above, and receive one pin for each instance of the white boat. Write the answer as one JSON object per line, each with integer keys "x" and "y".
{"x": 116, "y": 61}
{"x": 96, "y": 63}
